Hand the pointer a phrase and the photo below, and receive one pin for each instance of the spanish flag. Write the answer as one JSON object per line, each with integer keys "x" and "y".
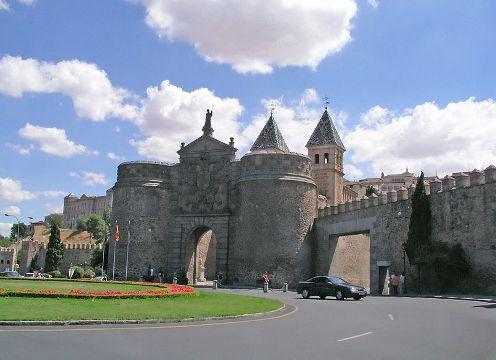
{"x": 116, "y": 233}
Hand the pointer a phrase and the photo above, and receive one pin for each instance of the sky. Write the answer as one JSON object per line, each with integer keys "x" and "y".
{"x": 88, "y": 84}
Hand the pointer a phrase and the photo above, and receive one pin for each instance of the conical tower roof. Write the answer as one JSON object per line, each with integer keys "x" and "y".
{"x": 270, "y": 138}
{"x": 325, "y": 133}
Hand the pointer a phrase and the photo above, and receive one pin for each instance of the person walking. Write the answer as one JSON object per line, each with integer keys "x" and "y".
{"x": 395, "y": 282}
{"x": 266, "y": 280}
{"x": 401, "y": 284}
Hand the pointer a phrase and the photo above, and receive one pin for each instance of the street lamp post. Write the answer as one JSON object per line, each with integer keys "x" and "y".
{"x": 14, "y": 263}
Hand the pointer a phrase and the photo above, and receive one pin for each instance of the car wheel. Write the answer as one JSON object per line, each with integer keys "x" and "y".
{"x": 339, "y": 295}
{"x": 305, "y": 294}
{"x": 356, "y": 297}
{"x": 322, "y": 297}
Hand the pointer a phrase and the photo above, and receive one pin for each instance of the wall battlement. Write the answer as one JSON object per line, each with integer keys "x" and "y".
{"x": 6, "y": 250}
{"x": 453, "y": 182}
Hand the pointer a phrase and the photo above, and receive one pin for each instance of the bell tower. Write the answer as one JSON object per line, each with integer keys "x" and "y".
{"x": 326, "y": 150}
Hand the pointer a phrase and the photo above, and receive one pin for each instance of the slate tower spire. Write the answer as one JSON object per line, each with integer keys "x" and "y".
{"x": 270, "y": 139}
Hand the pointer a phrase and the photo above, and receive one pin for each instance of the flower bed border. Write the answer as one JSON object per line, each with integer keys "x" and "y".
{"x": 168, "y": 291}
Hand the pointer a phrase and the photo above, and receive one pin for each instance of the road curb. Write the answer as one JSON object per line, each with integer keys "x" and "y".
{"x": 283, "y": 310}
{"x": 451, "y": 297}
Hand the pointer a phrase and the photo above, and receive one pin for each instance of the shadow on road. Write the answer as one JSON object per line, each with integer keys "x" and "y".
{"x": 488, "y": 306}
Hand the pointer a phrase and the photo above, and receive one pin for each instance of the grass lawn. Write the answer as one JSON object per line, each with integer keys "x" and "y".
{"x": 207, "y": 304}
{"x": 12, "y": 284}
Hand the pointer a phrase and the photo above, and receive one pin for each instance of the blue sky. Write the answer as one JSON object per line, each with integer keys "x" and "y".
{"x": 87, "y": 84}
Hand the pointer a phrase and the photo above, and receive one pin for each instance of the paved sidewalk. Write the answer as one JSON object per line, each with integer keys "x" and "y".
{"x": 466, "y": 297}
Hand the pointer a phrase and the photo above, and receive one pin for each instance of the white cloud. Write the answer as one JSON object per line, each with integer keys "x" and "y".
{"x": 352, "y": 172}
{"x": 20, "y": 149}
{"x": 92, "y": 178}
{"x": 11, "y": 210}
{"x": 5, "y": 229}
{"x": 27, "y": 2}
{"x": 457, "y": 137}
{"x": 375, "y": 116}
{"x": 373, "y": 3}
{"x": 4, "y": 5}
{"x": 254, "y": 36}
{"x": 113, "y": 156}
{"x": 88, "y": 86}
{"x": 53, "y": 141}
{"x": 171, "y": 115}
{"x": 11, "y": 190}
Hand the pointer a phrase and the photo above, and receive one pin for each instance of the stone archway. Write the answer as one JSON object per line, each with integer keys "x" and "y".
{"x": 201, "y": 255}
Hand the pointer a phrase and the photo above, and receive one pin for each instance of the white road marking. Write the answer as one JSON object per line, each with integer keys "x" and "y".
{"x": 391, "y": 316}
{"x": 356, "y": 336}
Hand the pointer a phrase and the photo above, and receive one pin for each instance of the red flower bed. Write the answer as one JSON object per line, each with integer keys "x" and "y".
{"x": 166, "y": 290}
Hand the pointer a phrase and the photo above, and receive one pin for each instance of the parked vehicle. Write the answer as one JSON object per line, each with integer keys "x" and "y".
{"x": 323, "y": 286}
{"x": 101, "y": 278}
{"x": 10, "y": 274}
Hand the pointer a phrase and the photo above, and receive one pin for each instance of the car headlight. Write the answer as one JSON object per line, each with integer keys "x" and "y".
{"x": 354, "y": 289}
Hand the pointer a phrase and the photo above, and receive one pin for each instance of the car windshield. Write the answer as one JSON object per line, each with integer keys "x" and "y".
{"x": 336, "y": 280}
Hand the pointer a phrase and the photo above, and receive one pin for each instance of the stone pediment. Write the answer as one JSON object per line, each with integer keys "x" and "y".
{"x": 206, "y": 144}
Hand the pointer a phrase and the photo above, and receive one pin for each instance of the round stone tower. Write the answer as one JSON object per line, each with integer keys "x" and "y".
{"x": 276, "y": 207}
{"x": 140, "y": 196}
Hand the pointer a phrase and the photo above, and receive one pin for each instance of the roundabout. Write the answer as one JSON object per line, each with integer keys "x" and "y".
{"x": 373, "y": 328}
{"x": 82, "y": 301}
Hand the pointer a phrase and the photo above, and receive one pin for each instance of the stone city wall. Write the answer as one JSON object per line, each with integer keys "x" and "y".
{"x": 6, "y": 258}
{"x": 463, "y": 211}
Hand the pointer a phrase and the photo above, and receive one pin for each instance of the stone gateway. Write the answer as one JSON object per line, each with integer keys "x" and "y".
{"x": 214, "y": 216}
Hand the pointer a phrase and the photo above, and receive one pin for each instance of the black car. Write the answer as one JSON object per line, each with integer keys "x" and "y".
{"x": 323, "y": 286}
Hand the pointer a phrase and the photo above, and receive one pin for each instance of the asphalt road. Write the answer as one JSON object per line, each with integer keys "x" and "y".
{"x": 373, "y": 328}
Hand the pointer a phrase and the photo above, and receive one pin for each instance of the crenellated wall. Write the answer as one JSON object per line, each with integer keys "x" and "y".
{"x": 463, "y": 211}
{"x": 6, "y": 258}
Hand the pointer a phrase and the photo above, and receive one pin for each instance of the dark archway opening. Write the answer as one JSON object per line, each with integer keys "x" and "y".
{"x": 201, "y": 255}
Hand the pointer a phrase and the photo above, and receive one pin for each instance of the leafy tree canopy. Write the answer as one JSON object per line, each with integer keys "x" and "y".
{"x": 23, "y": 231}
{"x": 5, "y": 241}
{"x": 56, "y": 219}
{"x": 370, "y": 190}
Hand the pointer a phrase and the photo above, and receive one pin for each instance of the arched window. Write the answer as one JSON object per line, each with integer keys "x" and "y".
{"x": 326, "y": 158}
{"x": 317, "y": 160}
{"x": 8, "y": 261}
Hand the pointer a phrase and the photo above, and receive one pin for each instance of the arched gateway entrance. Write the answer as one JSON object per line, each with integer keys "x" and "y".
{"x": 201, "y": 255}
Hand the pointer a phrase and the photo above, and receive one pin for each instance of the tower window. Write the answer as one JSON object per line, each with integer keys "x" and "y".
{"x": 317, "y": 160}
{"x": 326, "y": 158}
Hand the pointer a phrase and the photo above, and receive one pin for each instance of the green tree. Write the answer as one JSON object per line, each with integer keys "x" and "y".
{"x": 5, "y": 241}
{"x": 419, "y": 243}
{"x": 82, "y": 223}
{"x": 34, "y": 264}
{"x": 56, "y": 219}
{"x": 370, "y": 190}
{"x": 95, "y": 225}
{"x": 23, "y": 231}
{"x": 55, "y": 250}
{"x": 97, "y": 257}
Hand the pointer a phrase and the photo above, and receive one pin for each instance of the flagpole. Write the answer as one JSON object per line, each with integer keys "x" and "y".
{"x": 113, "y": 264}
{"x": 127, "y": 246}
{"x": 104, "y": 241}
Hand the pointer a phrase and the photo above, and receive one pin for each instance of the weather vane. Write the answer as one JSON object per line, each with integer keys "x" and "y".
{"x": 326, "y": 101}
{"x": 272, "y": 107}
